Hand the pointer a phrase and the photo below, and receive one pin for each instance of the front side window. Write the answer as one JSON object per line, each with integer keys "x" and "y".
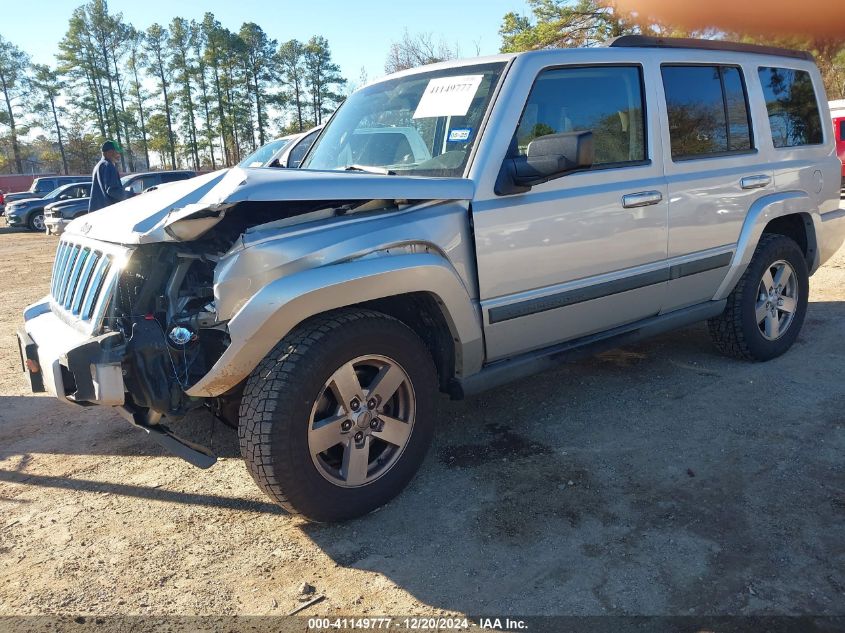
{"x": 424, "y": 124}
{"x": 792, "y": 106}
{"x": 707, "y": 110}
{"x": 606, "y": 100}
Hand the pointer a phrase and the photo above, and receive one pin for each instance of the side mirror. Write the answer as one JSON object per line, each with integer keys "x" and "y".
{"x": 548, "y": 157}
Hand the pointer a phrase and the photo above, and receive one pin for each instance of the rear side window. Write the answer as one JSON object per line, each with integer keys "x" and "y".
{"x": 44, "y": 186}
{"x": 707, "y": 107}
{"x": 842, "y": 129}
{"x": 606, "y": 100}
{"x": 792, "y": 106}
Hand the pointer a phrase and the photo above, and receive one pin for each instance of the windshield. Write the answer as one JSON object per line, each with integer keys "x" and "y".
{"x": 56, "y": 192}
{"x": 423, "y": 124}
{"x": 263, "y": 154}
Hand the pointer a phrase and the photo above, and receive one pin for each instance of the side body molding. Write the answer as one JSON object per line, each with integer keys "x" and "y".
{"x": 761, "y": 213}
{"x": 284, "y": 303}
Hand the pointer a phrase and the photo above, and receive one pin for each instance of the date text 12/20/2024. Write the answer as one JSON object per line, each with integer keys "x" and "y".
{"x": 415, "y": 624}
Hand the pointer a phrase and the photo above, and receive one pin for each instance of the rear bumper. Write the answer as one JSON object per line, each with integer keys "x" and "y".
{"x": 74, "y": 367}
{"x": 830, "y": 234}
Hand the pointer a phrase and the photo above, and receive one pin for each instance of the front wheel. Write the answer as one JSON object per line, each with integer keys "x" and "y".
{"x": 337, "y": 418}
{"x": 36, "y": 222}
{"x": 766, "y": 309}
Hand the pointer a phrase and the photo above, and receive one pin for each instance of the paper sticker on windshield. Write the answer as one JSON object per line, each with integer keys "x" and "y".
{"x": 448, "y": 96}
{"x": 459, "y": 134}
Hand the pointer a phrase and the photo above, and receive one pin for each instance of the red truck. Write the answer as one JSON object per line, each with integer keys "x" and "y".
{"x": 837, "y": 112}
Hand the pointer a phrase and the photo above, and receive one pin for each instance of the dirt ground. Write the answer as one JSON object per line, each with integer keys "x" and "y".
{"x": 656, "y": 479}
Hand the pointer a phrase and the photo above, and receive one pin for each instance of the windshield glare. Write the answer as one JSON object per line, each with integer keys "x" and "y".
{"x": 55, "y": 193}
{"x": 263, "y": 154}
{"x": 423, "y": 124}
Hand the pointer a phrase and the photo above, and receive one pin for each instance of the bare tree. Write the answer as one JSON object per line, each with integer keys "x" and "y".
{"x": 417, "y": 50}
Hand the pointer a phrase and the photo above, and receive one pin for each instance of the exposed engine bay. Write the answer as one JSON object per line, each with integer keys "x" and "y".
{"x": 164, "y": 304}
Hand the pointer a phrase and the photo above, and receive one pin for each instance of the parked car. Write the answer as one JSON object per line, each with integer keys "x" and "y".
{"x": 566, "y": 201}
{"x": 287, "y": 151}
{"x": 57, "y": 215}
{"x": 292, "y": 154}
{"x": 837, "y": 112}
{"x": 43, "y": 185}
{"x": 29, "y": 212}
{"x": 264, "y": 154}
{"x": 139, "y": 183}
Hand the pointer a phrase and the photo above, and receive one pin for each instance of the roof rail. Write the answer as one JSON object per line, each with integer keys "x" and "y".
{"x": 643, "y": 41}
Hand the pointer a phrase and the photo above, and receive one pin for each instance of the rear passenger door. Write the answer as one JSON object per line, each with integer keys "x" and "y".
{"x": 584, "y": 252}
{"x": 715, "y": 172}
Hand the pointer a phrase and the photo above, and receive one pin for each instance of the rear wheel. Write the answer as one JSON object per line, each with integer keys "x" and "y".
{"x": 766, "y": 310}
{"x": 336, "y": 420}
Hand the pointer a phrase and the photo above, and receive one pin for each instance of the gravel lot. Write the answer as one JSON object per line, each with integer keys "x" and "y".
{"x": 655, "y": 479}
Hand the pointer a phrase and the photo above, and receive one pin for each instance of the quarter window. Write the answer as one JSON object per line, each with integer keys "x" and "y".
{"x": 791, "y": 103}
{"x": 606, "y": 100}
{"x": 707, "y": 110}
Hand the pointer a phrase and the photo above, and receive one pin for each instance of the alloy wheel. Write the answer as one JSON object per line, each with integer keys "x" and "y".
{"x": 362, "y": 421}
{"x": 777, "y": 300}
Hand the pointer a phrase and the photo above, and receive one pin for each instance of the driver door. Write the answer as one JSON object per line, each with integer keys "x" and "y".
{"x": 584, "y": 252}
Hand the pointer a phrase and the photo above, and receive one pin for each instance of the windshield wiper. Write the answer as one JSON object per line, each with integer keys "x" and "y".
{"x": 370, "y": 169}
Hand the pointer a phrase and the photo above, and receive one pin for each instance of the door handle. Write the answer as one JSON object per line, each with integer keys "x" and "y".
{"x": 755, "y": 182}
{"x": 641, "y": 199}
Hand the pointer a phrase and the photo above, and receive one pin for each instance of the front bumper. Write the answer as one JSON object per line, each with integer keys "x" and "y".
{"x": 74, "y": 367}
{"x": 55, "y": 226}
{"x": 15, "y": 220}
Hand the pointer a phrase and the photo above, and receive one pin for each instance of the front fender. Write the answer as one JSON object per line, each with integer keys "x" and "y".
{"x": 763, "y": 211}
{"x": 281, "y": 305}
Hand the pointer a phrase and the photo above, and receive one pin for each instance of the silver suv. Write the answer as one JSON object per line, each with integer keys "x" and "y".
{"x": 454, "y": 227}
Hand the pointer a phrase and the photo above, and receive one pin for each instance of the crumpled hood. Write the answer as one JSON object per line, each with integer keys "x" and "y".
{"x": 143, "y": 218}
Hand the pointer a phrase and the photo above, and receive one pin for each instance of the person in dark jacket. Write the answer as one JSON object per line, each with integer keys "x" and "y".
{"x": 105, "y": 181}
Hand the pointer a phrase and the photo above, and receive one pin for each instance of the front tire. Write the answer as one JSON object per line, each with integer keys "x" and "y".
{"x": 36, "y": 222}
{"x": 338, "y": 417}
{"x": 766, "y": 309}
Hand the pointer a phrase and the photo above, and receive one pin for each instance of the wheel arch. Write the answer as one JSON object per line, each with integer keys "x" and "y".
{"x": 421, "y": 290}
{"x": 789, "y": 213}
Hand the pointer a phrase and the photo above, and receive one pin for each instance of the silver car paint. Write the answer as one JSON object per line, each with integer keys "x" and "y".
{"x": 528, "y": 245}
{"x": 279, "y": 306}
{"x": 144, "y": 219}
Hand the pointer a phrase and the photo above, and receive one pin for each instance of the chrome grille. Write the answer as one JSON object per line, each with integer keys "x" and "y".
{"x": 84, "y": 277}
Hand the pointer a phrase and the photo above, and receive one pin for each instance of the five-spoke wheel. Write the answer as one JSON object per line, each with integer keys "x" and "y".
{"x": 337, "y": 418}
{"x": 765, "y": 311}
{"x": 362, "y": 421}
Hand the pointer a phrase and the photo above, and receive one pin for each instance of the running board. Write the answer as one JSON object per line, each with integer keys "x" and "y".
{"x": 194, "y": 454}
{"x": 502, "y": 372}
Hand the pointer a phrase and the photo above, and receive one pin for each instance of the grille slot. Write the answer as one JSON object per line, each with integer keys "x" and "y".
{"x": 84, "y": 276}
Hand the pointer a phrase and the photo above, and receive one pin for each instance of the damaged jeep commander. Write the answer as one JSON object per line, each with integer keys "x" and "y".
{"x": 454, "y": 227}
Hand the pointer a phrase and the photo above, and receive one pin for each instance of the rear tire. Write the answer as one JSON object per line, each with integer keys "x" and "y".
{"x": 302, "y": 398}
{"x": 766, "y": 309}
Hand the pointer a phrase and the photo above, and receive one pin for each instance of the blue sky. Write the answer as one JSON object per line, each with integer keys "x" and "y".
{"x": 359, "y": 31}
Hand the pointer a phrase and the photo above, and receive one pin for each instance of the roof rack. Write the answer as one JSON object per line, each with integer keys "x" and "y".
{"x": 643, "y": 41}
